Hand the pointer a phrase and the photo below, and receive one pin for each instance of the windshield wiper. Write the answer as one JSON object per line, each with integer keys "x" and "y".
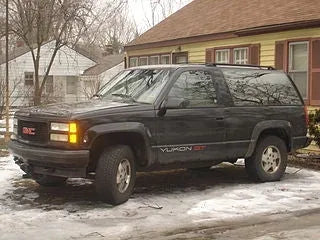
{"x": 125, "y": 96}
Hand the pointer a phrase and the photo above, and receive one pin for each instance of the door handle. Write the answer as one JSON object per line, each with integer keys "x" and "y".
{"x": 219, "y": 118}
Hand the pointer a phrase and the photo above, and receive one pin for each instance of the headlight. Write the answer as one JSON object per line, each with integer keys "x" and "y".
{"x": 58, "y": 137}
{"x": 61, "y": 127}
{"x": 69, "y": 132}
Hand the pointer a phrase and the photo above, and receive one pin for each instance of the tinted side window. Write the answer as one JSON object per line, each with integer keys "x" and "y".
{"x": 195, "y": 87}
{"x": 260, "y": 87}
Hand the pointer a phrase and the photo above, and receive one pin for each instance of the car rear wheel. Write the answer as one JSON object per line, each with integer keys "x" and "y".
{"x": 269, "y": 161}
{"x": 49, "y": 181}
{"x": 115, "y": 174}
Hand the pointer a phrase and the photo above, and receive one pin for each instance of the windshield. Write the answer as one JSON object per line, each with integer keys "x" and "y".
{"x": 140, "y": 85}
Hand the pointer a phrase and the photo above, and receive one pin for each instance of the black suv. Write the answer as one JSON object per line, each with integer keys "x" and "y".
{"x": 160, "y": 117}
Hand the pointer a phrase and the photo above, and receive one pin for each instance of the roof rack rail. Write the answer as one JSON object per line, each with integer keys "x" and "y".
{"x": 240, "y": 65}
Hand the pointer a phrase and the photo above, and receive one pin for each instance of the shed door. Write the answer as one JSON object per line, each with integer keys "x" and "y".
{"x": 72, "y": 88}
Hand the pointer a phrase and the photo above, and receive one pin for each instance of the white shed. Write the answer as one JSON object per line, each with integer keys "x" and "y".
{"x": 63, "y": 83}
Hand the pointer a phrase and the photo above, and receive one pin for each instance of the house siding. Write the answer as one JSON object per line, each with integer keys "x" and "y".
{"x": 267, "y": 43}
{"x": 197, "y": 51}
{"x": 68, "y": 62}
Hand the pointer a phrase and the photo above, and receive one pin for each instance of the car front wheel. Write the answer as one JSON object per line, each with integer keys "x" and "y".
{"x": 115, "y": 174}
{"x": 269, "y": 160}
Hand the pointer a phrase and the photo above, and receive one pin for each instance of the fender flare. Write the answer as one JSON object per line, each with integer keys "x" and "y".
{"x": 266, "y": 125}
{"x": 97, "y": 131}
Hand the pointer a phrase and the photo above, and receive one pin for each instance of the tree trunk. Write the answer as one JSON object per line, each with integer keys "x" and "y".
{"x": 37, "y": 98}
{"x": 37, "y": 92}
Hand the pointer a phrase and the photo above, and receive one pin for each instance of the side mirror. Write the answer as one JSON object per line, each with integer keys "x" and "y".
{"x": 174, "y": 103}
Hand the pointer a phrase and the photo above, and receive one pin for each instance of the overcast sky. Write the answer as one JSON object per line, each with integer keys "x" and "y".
{"x": 140, "y": 11}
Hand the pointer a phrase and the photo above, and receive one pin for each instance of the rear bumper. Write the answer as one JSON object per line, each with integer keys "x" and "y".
{"x": 300, "y": 142}
{"x": 64, "y": 163}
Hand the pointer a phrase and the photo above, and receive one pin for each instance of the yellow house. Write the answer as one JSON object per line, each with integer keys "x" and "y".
{"x": 284, "y": 34}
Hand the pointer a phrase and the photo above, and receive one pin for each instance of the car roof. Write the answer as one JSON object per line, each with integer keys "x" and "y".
{"x": 218, "y": 65}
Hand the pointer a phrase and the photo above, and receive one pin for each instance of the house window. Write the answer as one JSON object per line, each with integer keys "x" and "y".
{"x": 234, "y": 55}
{"x": 72, "y": 85}
{"x": 180, "y": 58}
{"x": 143, "y": 61}
{"x": 223, "y": 56}
{"x": 298, "y": 65}
{"x": 49, "y": 85}
{"x": 240, "y": 56}
{"x": 28, "y": 79}
{"x": 133, "y": 62}
{"x": 165, "y": 59}
{"x": 154, "y": 60}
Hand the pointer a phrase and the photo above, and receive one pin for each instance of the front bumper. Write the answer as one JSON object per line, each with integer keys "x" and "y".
{"x": 55, "y": 162}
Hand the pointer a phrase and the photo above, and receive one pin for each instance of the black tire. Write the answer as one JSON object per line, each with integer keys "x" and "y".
{"x": 49, "y": 181}
{"x": 255, "y": 164}
{"x": 106, "y": 174}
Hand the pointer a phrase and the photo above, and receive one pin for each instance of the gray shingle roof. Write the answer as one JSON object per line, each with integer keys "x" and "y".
{"x": 104, "y": 64}
{"x": 19, "y": 51}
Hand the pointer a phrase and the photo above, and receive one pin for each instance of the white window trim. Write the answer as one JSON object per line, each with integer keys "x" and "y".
{"x": 154, "y": 56}
{"x": 298, "y": 71}
{"x": 220, "y": 51}
{"x": 143, "y": 57}
{"x": 28, "y": 73}
{"x": 134, "y": 58}
{"x": 165, "y": 55}
{"x": 241, "y": 48}
{"x": 291, "y": 56}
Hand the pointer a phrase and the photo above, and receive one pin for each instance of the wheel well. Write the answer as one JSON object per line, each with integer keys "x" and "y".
{"x": 134, "y": 140}
{"x": 279, "y": 132}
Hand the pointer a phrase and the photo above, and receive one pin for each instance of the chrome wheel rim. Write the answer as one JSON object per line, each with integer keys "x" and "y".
{"x": 123, "y": 175}
{"x": 271, "y": 159}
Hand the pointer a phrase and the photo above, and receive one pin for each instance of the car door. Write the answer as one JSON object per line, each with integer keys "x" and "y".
{"x": 191, "y": 125}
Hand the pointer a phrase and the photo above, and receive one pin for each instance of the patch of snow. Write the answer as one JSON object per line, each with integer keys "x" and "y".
{"x": 3, "y": 125}
{"x": 8, "y": 172}
{"x": 309, "y": 233}
{"x": 35, "y": 216}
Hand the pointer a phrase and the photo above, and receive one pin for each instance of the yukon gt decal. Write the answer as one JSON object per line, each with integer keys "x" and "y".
{"x": 182, "y": 149}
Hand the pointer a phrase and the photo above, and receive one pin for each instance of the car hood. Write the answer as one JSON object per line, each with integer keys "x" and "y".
{"x": 68, "y": 110}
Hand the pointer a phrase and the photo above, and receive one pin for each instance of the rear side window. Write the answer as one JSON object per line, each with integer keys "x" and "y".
{"x": 259, "y": 87}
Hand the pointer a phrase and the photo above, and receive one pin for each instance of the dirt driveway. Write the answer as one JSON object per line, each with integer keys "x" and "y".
{"x": 217, "y": 204}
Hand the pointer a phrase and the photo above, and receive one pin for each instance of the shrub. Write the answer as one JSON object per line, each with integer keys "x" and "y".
{"x": 314, "y": 126}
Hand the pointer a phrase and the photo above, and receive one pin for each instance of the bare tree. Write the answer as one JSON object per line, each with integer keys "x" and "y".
{"x": 90, "y": 86}
{"x": 157, "y": 10}
{"x": 111, "y": 33}
{"x": 64, "y": 22}
{"x": 117, "y": 32}
{"x": 14, "y": 92}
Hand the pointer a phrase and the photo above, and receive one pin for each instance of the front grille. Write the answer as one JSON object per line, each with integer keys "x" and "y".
{"x": 40, "y": 131}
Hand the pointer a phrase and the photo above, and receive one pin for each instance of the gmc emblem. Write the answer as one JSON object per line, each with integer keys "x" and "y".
{"x": 29, "y": 131}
